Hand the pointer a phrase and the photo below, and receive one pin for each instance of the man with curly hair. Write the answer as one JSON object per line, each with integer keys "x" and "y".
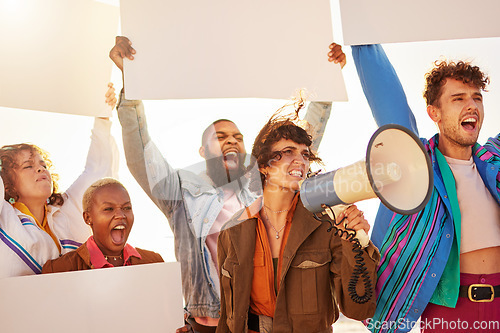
{"x": 441, "y": 264}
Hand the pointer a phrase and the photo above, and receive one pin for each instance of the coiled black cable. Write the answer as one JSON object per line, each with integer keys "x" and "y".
{"x": 360, "y": 270}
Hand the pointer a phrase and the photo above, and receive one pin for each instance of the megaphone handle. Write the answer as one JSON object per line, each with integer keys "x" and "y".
{"x": 361, "y": 235}
{"x": 360, "y": 269}
{"x": 363, "y": 238}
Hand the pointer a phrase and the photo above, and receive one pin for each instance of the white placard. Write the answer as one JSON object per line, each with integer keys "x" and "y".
{"x": 391, "y": 21}
{"x": 141, "y": 298}
{"x": 55, "y": 55}
{"x": 230, "y": 48}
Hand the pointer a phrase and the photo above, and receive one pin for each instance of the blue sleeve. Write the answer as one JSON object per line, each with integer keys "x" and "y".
{"x": 382, "y": 87}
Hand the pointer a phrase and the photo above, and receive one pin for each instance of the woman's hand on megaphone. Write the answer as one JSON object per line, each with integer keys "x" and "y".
{"x": 355, "y": 219}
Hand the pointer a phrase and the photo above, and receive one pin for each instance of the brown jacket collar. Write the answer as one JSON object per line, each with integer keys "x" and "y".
{"x": 243, "y": 233}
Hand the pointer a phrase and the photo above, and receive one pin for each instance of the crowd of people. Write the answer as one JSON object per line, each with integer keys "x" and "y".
{"x": 253, "y": 258}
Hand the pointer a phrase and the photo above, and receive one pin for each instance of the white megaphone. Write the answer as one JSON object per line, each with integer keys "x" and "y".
{"x": 397, "y": 170}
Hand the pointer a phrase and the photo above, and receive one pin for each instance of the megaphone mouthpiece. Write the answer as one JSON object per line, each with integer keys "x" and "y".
{"x": 391, "y": 174}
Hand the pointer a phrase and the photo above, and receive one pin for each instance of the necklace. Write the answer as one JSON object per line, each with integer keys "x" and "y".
{"x": 114, "y": 257}
{"x": 272, "y": 226}
{"x": 278, "y": 211}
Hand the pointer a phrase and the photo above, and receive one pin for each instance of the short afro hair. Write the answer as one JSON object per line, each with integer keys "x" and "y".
{"x": 90, "y": 192}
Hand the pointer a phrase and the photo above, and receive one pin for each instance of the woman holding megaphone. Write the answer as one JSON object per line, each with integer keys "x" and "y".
{"x": 281, "y": 269}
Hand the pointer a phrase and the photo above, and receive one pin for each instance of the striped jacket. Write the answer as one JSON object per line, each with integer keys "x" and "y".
{"x": 419, "y": 253}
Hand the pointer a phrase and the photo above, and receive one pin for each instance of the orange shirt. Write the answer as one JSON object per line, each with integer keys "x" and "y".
{"x": 263, "y": 294}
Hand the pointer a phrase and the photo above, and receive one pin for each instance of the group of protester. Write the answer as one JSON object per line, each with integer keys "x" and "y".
{"x": 253, "y": 258}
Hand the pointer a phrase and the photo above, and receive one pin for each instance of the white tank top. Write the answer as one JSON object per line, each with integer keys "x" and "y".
{"x": 479, "y": 211}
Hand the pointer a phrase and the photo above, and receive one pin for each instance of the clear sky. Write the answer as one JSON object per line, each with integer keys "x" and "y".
{"x": 176, "y": 126}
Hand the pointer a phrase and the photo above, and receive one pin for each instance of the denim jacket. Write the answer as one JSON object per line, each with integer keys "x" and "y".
{"x": 190, "y": 201}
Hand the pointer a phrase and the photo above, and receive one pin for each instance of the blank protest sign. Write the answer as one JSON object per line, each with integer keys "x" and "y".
{"x": 229, "y": 48}
{"x": 131, "y": 299}
{"x": 55, "y": 55}
{"x": 392, "y": 21}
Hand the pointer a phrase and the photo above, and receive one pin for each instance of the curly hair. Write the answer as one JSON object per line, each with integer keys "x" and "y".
{"x": 8, "y": 165}
{"x": 287, "y": 127}
{"x": 461, "y": 71}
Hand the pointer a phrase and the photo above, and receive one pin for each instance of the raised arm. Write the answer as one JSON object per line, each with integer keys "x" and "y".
{"x": 382, "y": 87}
{"x": 317, "y": 116}
{"x": 102, "y": 158}
{"x": 144, "y": 160}
{"x": 318, "y": 113}
{"x": 102, "y": 161}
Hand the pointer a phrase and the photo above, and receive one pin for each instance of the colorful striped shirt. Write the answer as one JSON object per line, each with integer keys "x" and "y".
{"x": 419, "y": 253}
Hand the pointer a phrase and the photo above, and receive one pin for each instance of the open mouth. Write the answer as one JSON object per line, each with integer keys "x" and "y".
{"x": 231, "y": 158}
{"x": 469, "y": 123}
{"x": 118, "y": 234}
{"x": 296, "y": 173}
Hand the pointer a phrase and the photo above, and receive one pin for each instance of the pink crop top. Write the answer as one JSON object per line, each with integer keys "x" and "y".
{"x": 479, "y": 210}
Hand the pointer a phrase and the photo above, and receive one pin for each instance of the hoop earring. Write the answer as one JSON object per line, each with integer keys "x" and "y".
{"x": 12, "y": 200}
